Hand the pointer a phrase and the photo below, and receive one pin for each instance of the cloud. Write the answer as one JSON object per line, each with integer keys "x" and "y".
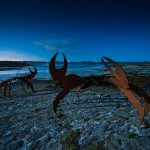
{"x": 13, "y": 55}
{"x": 58, "y": 45}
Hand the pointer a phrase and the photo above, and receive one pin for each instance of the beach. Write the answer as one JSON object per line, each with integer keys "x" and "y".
{"x": 78, "y": 68}
{"x": 103, "y": 118}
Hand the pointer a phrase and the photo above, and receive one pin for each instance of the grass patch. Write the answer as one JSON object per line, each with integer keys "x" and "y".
{"x": 96, "y": 146}
{"x": 70, "y": 140}
{"x": 131, "y": 135}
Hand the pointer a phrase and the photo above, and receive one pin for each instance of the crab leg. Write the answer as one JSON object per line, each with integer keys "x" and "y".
{"x": 5, "y": 87}
{"x": 59, "y": 97}
{"x": 29, "y": 84}
{"x": 133, "y": 99}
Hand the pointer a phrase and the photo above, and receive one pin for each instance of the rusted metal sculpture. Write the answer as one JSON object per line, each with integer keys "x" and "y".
{"x": 24, "y": 78}
{"x": 69, "y": 82}
{"x": 131, "y": 91}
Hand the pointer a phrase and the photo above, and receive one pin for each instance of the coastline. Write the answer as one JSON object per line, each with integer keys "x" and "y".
{"x": 81, "y": 69}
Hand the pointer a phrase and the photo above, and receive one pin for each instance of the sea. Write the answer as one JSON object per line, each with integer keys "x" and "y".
{"x": 81, "y": 69}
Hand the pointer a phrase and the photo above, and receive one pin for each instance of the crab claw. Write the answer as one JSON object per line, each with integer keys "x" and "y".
{"x": 57, "y": 74}
{"x": 119, "y": 73}
{"x": 33, "y": 72}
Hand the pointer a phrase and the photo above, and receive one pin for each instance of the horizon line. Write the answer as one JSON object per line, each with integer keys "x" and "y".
{"x": 68, "y": 61}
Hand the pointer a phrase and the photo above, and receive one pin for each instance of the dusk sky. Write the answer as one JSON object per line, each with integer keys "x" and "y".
{"x": 84, "y": 30}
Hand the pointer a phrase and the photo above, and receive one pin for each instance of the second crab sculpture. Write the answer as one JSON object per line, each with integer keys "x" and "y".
{"x": 7, "y": 83}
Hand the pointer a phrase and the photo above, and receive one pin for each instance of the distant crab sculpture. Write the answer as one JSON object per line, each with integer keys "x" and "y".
{"x": 119, "y": 79}
{"x": 25, "y": 79}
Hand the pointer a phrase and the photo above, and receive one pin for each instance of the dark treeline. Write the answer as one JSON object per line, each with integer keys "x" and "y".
{"x": 13, "y": 63}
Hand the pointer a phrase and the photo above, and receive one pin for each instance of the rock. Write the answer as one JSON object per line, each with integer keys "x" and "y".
{"x": 102, "y": 122}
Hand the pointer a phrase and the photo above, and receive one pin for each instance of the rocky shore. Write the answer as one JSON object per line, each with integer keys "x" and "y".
{"x": 103, "y": 119}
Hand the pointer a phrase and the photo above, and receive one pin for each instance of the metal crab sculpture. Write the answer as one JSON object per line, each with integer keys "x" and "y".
{"x": 69, "y": 82}
{"x": 119, "y": 79}
{"x": 25, "y": 79}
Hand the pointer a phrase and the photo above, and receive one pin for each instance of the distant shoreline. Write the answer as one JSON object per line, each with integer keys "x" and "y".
{"x": 9, "y": 69}
{"x": 28, "y": 63}
{"x": 13, "y": 63}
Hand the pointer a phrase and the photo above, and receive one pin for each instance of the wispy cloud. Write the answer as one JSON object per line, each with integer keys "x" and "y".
{"x": 13, "y": 55}
{"x": 58, "y": 45}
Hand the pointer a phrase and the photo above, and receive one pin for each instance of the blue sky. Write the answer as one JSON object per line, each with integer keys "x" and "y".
{"x": 83, "y": 30}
